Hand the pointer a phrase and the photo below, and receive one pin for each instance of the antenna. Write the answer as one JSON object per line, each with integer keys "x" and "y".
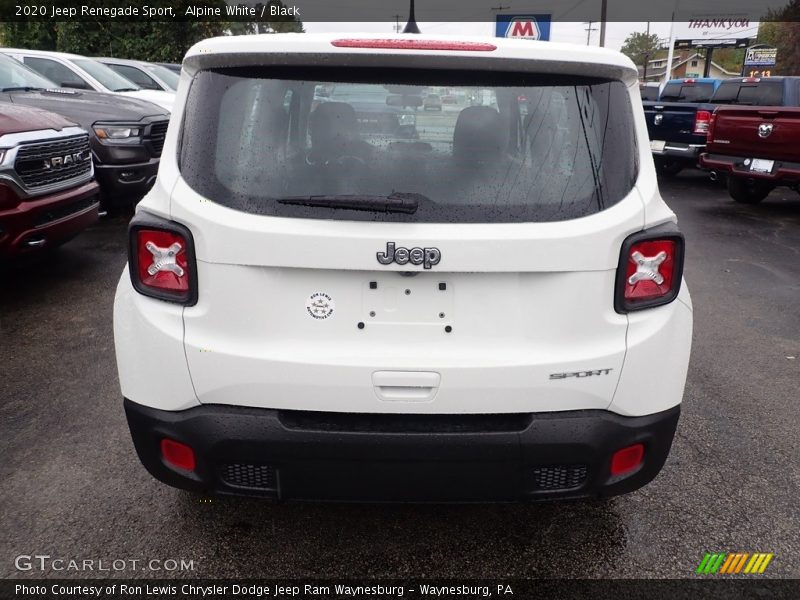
{"x": 411, "y": 26}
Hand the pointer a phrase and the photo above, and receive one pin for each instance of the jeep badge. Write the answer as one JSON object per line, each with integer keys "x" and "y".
{"x": 427, "y": 257}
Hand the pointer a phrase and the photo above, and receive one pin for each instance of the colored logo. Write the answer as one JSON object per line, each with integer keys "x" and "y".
{"x": 734, "y": 563}
{"x": 526, "y": 27}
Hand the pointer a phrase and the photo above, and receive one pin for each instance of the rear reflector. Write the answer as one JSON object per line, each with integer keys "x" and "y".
{"x": 177, "y": 454}
{"x": 162, "y": 261}
{"x": 404, "y": 44}
{"x": 702, "y": 120}
{"x": 650, "y": 269}
{"x": 688, "y": 81}
{"x": 627, "y": 459}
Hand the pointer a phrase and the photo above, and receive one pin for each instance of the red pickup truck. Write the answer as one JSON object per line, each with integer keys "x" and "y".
{"x": 757, "y": 147}
{"x": 47, "y": 188}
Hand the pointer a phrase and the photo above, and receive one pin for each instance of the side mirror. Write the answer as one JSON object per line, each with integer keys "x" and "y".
{"x": 75, "y": 84}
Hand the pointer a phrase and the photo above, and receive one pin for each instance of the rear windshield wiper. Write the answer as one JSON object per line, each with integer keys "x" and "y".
{"x": 127, "y": 90}
{"x": 22, "y": 88}
{"x": 393, "y": 203}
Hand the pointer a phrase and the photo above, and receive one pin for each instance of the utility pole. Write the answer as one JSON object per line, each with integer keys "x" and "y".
{"x": 603, "y": 15}
{"x": 589, "y": 31}
{"x": 396, "y": 23}
{"x": 671, "y": 48}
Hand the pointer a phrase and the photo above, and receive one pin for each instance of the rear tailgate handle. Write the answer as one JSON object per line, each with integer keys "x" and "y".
{"x": 768, "y": 113}
{"x": 406, "y": 386}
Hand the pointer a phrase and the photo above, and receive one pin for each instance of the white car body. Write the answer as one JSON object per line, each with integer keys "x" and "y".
{"x": 161, "y": 98}
{"x": 148, "y": 75}
{"x": 530, "y": 306}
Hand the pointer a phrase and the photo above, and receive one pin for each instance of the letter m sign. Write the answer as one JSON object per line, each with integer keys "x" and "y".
{"x": 526, "y": 27}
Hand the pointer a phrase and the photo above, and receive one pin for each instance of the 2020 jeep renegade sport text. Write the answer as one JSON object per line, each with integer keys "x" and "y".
{"x": 316, "y": 307}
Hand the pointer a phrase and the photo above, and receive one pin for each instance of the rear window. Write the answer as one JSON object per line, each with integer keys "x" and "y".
{"x": 687, "y": 92}
{"x": 762, "y": 93}
{"x": 506, "y": 147}
{"x": 649, "y": 92}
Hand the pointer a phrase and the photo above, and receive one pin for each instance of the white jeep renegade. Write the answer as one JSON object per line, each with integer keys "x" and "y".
{"x": 335, "y": 294}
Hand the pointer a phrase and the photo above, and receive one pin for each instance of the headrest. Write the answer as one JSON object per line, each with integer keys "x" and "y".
{"x": 479, "y": 134}
{"x": 331, "y": 122}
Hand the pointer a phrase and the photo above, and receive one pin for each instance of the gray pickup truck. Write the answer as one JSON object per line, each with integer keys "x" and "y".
{"x": 125, "y": 134}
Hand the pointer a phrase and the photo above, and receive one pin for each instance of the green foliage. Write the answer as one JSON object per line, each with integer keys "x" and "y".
{"x": 782, "y": 30}
{"x": 640, "y": 47}
{"x": 157, "y": 41}
{"x": 30, "y": 34}
{"x": 729, "y": 59}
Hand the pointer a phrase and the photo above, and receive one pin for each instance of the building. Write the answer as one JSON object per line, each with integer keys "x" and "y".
{"x": 684, "y": 64}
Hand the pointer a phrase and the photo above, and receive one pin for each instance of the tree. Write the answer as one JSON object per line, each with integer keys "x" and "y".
{"x": 640, "y": 47}
{"x": 729, "y": 59}
{"x": 782, "y": 29}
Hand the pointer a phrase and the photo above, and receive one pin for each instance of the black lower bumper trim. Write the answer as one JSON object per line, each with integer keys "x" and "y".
{"x": 125, "y": 184}
{"x": 331, "y": 456}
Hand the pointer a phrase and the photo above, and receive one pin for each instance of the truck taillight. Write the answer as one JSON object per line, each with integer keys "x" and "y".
{"x": 161, "y": 260}
{"x": 711, "y": 124}
{"x": 650, "y": 269}
{"x": 702, "y": 120}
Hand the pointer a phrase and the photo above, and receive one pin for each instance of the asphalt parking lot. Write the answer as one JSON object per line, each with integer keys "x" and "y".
{"x": 72, "y": 485}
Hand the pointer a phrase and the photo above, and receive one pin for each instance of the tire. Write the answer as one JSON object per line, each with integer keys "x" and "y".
{"x": 748, "y": 191}
{"x": 668, "y": 167}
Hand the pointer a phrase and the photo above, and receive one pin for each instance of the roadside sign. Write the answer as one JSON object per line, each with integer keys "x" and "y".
{"x": 526, "y": 27}
{"x": 760, "y": 56}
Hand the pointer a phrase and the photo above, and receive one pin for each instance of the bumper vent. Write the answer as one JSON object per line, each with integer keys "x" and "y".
{"x": 158, "y": 132}
{"x": 62, "y": 212}
{"x": 559, "y": 477}
{"x": 247, "y": 475}
{"x": 41, "y": 164}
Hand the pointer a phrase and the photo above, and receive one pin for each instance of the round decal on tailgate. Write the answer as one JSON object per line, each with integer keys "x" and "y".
{"x": 320, "y": 305}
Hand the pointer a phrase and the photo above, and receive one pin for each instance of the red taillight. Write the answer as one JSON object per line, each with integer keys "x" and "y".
{"x": 162, "y": 261}
{"x": 711, "y": 124}
{"x": 702, "y": 120}
{"x": 412, "y": 44}
{"x": 650, "y": 269}
{"x": 627, "y": 459}
{"x": 177, "y": 454}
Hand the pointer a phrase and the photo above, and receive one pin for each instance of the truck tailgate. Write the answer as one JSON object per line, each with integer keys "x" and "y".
{"x": 757, "y": 132}
{"x": 672, "y": 122}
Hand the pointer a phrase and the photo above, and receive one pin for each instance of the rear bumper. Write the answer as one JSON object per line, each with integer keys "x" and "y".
{"x": 782, "y": 172}
{"x": 124, "y": 184}
{"x": 396, "y": 458}
{"x": 46, "y": 221}
{"x": 687, "y": 152}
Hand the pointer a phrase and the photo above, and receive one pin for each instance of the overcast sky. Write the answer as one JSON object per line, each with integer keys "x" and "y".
{"x": 575, "y": 33}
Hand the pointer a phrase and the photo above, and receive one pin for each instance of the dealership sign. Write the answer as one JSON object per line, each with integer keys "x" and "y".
{"x": 760, "y": 56}
{"x": 524, "y": 27}
{"x": 715, "y": 31}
